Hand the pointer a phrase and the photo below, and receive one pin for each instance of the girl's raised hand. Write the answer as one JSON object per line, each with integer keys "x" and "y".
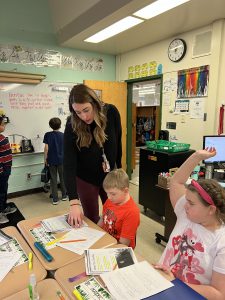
{"x": 206, "y": 153}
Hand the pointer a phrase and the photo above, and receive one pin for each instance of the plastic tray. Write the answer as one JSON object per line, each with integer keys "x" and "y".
{"x": 167, "y": 146}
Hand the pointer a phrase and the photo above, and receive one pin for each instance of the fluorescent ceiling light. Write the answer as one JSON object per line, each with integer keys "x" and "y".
{"x": 158, "y": 7}
{"x": 114, "y": 29}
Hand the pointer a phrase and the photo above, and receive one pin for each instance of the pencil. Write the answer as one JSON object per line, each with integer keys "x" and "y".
{"x": 72, "y": 241}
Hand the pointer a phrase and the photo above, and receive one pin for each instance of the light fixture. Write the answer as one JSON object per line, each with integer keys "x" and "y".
{"x": 158, "y": 7}
{"x": 15, "y": 77}
{"x": 114, "y": 29}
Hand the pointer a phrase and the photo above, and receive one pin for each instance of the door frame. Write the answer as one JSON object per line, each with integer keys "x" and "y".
{"x": 130, "y": 83}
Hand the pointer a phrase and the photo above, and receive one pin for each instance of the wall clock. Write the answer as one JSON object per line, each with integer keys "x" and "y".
{"x": 177, "y": 50}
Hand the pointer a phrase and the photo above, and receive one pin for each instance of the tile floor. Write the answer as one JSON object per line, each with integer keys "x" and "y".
{"x": 40, "y": 204}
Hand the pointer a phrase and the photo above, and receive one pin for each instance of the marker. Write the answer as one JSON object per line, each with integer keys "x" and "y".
{"x": 60, "y": 295}
{"x": 77, "y": 294}
{"x": 30, "y": 292}
{"x": 43, "y": 251}
{"x": 72, "y": 241}
{"x": 79, "y": 276}
{"x": 54, "y": 241}
{"x": 30, "y": 261}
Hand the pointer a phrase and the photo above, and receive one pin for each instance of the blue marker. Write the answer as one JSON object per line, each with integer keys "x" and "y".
{"x": 43, "y": 251}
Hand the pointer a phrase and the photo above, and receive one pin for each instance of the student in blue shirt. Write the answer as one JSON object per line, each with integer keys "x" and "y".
{"x": 53, "y": 153}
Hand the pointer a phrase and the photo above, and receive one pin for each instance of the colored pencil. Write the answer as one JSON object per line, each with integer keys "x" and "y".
{"x": 72, "y": 241}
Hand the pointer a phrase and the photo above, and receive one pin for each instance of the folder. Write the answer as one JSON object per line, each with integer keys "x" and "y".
{"x": 180, "y": 290}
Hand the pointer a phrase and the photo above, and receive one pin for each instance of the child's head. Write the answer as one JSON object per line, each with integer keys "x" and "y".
{"x": 55, "y": 123}
{"x": 116, "y": 185}
{"x": 205, "y": 198}
{"x": 2, "y": 122}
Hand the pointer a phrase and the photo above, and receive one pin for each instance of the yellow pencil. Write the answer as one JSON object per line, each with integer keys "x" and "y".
{"x": 30, "y": 261}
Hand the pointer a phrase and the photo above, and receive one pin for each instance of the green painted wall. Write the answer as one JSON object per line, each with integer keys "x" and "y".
{"x": 28, "y": 23}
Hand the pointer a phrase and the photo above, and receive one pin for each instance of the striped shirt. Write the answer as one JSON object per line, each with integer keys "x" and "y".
{"x": 5, "y": 153}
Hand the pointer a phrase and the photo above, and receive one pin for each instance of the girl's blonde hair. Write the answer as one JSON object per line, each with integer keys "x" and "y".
{"x": 83, "y": 94}
{"x": 117, "y": 178}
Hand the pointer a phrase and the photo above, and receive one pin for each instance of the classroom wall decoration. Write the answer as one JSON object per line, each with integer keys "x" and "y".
{"x": 144, "y": 70}
{"x": 17, "y": 54}
{"x": 193, "y": 82}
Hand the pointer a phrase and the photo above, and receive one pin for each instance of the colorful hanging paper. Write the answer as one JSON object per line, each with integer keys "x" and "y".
{"x": 193, "y": 82}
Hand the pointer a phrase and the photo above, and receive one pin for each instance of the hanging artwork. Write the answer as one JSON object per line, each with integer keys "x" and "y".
{"x": 17, "y": 54}
{"x": 193, "y": 82}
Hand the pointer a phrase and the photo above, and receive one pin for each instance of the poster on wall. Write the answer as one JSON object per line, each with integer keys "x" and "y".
{"x": 193, "y": 82}
{"x": 197, "y": 107}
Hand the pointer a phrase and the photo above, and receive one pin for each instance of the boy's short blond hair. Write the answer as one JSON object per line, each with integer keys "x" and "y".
{"x": 117, "y": 178}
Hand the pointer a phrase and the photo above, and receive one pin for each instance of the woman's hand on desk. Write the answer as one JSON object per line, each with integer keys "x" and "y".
{"x": 76, "y": 216}
{"x": 166, "y": 270}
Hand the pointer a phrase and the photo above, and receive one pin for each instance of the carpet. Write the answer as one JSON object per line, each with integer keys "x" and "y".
{"x": 13, "y": 218}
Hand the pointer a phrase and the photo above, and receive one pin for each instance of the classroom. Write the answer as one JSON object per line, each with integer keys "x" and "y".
{"x": 43, "y": 54}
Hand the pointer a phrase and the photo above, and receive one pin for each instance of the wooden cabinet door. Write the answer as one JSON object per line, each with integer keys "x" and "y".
{"x": 116, "y": 93}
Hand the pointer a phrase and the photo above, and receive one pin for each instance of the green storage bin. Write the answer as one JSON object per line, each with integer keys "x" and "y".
{"x": 167, "y": 146}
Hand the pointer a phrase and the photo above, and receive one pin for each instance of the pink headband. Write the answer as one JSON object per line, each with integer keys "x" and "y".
{"x": 202, "y": 192}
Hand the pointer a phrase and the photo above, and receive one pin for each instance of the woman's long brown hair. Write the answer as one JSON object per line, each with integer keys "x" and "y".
{"x": 83, "y": 94}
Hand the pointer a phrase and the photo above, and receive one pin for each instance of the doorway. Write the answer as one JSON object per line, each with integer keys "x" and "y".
{"x": 144, "y": 98}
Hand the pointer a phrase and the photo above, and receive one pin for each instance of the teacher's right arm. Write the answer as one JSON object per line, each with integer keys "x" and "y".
{"x": 70, "y": 172}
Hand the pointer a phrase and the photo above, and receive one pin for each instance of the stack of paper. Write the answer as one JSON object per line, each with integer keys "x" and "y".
{"x": 56, "y": 224}
{"x": 135, "y": 282}
{"x": 98, "y": 261}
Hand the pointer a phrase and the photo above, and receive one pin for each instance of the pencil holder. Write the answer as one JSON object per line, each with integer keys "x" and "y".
{"x": 164, "y": 181}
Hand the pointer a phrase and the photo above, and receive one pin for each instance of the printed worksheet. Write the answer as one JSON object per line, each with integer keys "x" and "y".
{"x": 57, "y": 224}
{"x": 7, "y": 262}
{"x": 13, "y": 247}
{"x": 98, "y": 261}
{"x": 135, "y": 282}
{"x": 92, "y": 289}
{"x": 42, "y": 236}
{"x": 4, "y": 238}
{"x": 77, "y": 240}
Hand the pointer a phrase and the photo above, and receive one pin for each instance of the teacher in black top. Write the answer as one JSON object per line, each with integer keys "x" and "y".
{"x": 92, "y": 146}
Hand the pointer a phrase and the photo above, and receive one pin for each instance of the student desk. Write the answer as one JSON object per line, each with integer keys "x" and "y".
{"x": 61, "y": 257}
{"x": 46, "y": 288}
{"x": 77, "y": 269}
{"x": 18, "y": 278}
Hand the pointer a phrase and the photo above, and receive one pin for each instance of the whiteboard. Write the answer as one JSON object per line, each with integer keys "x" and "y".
{"x": 30, "y": 107}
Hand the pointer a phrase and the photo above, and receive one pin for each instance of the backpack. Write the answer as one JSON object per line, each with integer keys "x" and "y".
{"x": 45, "y": 174}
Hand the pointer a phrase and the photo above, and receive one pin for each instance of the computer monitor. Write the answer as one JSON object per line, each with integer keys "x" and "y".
{"x": 217, "y": 141}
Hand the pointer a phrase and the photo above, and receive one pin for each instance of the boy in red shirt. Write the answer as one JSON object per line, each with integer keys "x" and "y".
{"x": 120, "y": 216}
{"x": 5, "y": 171}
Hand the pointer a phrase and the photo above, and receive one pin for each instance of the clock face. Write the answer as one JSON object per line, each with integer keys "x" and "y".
{"x": 176, "y": 50}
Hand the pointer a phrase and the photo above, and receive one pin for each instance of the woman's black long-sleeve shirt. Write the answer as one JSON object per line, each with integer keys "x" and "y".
{"x": 86, "y": 163}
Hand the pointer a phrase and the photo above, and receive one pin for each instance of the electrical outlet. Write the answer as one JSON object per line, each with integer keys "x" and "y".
{"x": 28, "y": 176}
